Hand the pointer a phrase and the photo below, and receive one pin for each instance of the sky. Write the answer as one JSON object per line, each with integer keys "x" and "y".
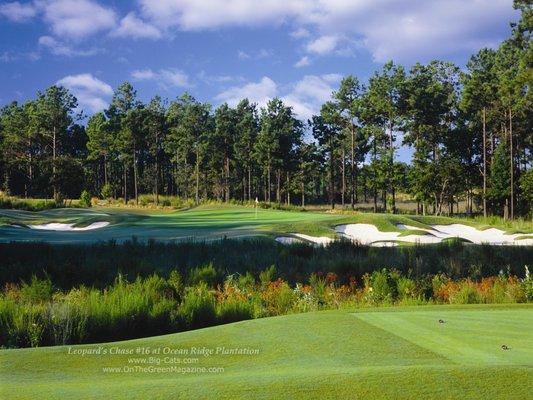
{"x": 225, "y": 50}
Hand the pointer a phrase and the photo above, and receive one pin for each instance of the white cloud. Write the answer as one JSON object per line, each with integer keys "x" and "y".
{"x": 210, "y": 14}
{"x": 300, "y": 33}
{"x": 243, "y": 55}
{"x": 257, "y": 92}
{"x": 414, "y": 30}
{"x": 18, "y": 12}
{"x": 77, "y": 18}
{"x": 132, "y": 26}
{"x": 303, "y": 62}
{"x": 308, "y": 94}
{"x": 91, "y": 92}
{"x": 217, "y": 79}
{"x": 62, "y": 49}
{"x": 175, "y": 77}
{"x": 256, "y": 55}
{"x": 304, "y": 96}
{"x": 400, "y": 29}
{"x": 322, "y": 45}
{"x": 8, "y": 56}
{"x": 143, "y": 74}
{"x": 166, "y": 78}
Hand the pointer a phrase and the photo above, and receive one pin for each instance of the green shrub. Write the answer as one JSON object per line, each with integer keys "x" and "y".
{"x": 406, "y": 288}
{"x": 268, "y": 275}
{"x": 467, "y": 294}
{"x": 176, "y": 283}
{"x": 37, "y": 291}
{"x": 198, "y": 306}
{"x": 318, "y": 286}
{"x": 206, "y": 274}
{"x": 527, "y": 284}
{"x": 85, "y": 199}
{"x": 246, "y": 281}
{"x": 106, "y": 192}
{"x": 381, "y": 287}
{"x": 233, "y": 310}
{"x": 278, "y": 298}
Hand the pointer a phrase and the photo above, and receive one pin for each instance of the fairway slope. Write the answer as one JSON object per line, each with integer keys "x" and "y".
{"x": 401, "y": 353}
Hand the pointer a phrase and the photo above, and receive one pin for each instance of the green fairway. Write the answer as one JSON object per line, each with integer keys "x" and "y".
{"x": 399, "y": 353}
{"x": 204, "y": 222}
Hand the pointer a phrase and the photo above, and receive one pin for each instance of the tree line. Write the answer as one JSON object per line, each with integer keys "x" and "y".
{"x": 470, "y": 130}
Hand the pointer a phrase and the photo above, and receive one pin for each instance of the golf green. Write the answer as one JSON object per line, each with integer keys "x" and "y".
{"x": 205, "y": 222}
{"x": 399, "y": 353}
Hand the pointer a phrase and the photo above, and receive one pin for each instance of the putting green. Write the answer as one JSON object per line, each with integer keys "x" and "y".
{"x": 400, "y": 353}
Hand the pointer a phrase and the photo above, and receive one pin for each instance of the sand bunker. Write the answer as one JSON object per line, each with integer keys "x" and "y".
{"x": 489, "y": 236}
{"x": 287, "y": 240}
{"x": 300, "y": 237}
{"x": 370, "y": 235}
{"x": 56, "y": 226}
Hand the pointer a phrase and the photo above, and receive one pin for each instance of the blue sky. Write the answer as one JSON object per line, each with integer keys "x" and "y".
{"x": 226, "y": 50}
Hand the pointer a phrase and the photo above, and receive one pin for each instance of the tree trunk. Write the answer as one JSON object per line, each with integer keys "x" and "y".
{"x": 303, "y": 193}
{"x": 374, "y": 186}
{"x": 226, "y": 178}
{"x": 278, "y": 186}
{"x": 269, "y": 170}
{"x": 156, "y": 183}
{"x": 288, "y": 188}
{"x": 391, "y": 169}
{"x": 30, "y": 170}
{"x": 343, "y": 170}
{"x": 484, "y": 163}
{"x": 54, "y": 178}
{"x": 352, "y": 169}
{"x": 512, "y": 163}
{"x": 197, "y": 171}
{"x": 157, "y": 167}
{"x": 331, "y": 178}
{"x": 125, "y": 183}
{"x": 249, "y": 183}
{"x": 135, "y": 176}
{"x": 105, "y": 169}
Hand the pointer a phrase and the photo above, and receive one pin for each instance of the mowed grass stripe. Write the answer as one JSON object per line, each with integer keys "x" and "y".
{"x": 319, "y": 355}
{"x": 466, "y": 337}
{"x": 413, "y": 382}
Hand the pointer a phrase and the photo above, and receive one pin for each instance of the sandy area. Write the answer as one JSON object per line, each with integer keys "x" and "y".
{"x": 489, "y": 236}
{"x": 370, "y": 235}
{"x": 300, "y": 237}
{"x": 287, "y": 240}
{"x": 56, "y": 226}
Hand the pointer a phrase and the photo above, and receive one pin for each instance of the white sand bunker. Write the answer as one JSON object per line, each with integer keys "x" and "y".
{"x": 56, "y": 226}
{"x": 370, "y": 235}
{"x": 489, "y": 236}
{"x": 300, "y": 237}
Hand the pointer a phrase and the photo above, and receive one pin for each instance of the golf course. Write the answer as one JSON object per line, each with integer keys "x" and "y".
{"x": 384, "y": 353}
{"x": 244, "y": 332}
{"x": 236, "y": 199}
{"x": 65, "y": 225}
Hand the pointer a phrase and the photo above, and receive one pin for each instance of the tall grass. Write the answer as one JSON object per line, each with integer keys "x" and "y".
{"x": 37, "y": 314}
{"x": 17, "y": 203}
